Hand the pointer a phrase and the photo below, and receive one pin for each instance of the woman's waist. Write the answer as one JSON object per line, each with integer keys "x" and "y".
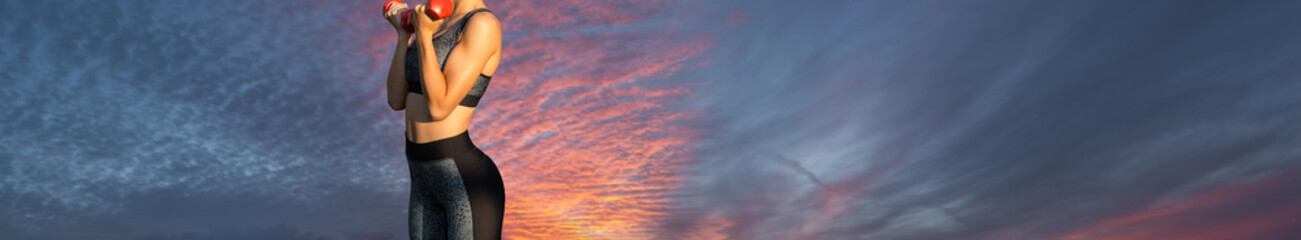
{"x": 426, "y": 131}
{"x": 453, "y": 146}
{"x": 423, "y": 132}
{"x": 425, "y": 128}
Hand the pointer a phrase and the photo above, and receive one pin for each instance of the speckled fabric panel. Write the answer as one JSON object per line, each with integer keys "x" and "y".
{"x": 440, "y": 205}
{"x": 412, "y": 70}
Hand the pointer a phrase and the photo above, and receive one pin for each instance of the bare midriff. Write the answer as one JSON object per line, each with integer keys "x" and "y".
{"x": 423, "y": 129}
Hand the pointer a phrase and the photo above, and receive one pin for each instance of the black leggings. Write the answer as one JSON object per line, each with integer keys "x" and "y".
{"x": 456, "y": 191}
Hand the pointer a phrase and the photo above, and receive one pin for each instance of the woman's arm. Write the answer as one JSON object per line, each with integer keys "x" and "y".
{"x": 397, "y": 82}
{"x": 480, "y": 39}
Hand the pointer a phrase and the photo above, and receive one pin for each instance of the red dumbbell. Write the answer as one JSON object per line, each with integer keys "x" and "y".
{"x": 390, "y": 4}
{"x": 439, "y": 9}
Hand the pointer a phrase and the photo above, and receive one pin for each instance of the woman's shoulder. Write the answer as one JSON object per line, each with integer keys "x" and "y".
{"x": 484, "y": 20}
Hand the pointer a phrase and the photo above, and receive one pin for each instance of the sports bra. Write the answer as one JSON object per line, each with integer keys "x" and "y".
{"x": 444, "y": 44}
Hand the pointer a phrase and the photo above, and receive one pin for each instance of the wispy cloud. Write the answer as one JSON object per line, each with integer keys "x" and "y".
{"x": 665, "y": 120}
{"x": 941, "y": 120}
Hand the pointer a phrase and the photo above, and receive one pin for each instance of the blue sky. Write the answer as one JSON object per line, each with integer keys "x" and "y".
{"x": 666, "y": 120}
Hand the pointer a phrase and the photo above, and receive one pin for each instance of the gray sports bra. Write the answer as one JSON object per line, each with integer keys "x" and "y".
{"x": 444, "y": 43}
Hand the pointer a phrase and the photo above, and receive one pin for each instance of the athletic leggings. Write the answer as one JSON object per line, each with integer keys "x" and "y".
{"x": 456, "y": 191}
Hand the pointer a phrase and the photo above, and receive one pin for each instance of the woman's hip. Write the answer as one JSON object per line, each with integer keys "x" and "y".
{"x": 472, "y": 164}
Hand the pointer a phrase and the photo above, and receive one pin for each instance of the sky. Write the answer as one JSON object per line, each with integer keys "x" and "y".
{"x": 666, "y": 119}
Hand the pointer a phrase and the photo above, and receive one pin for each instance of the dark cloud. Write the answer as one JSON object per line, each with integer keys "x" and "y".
{"x": 834, "y": 120}
{"x": 992, "y": 119}
{"x": 117, "y": 105}
{"x": 277, "y": 232}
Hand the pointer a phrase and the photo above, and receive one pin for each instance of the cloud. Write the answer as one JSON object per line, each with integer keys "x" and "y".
{"x": 580, "y": 117}
{"x": 136, "y": 98}
{"x": 665, "y": 119}
{"x": 277, "y": 232}
{"x": 1257, "y": 209}
{"x": 125, "y": 108}
{"x": 930, "y": 120}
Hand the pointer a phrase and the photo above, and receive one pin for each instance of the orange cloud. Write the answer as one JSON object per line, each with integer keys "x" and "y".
{"x": 578, "y": 117}
{"x": 584, "y": 137}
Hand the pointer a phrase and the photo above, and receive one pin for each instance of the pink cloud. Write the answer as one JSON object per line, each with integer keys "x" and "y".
{"x": 577, "y": 116}
{"x": 1204, "y": 215}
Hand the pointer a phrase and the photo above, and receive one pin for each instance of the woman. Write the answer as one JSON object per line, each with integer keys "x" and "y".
{"x": 456, "y": 190}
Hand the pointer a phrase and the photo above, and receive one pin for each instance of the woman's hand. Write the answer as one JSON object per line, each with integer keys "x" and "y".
{"x": 426, "y": 25}
{"x": 394, "y": 17}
